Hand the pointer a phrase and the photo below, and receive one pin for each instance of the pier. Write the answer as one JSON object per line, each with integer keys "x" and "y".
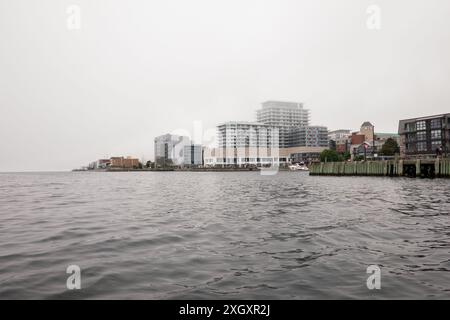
{"x": 426, "y": 168}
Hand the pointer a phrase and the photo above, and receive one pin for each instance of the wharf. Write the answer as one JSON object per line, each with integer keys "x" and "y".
{"x": 429, "y": 168}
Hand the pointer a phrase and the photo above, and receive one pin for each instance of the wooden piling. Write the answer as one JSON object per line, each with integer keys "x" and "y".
{"x": 437, "y": 168}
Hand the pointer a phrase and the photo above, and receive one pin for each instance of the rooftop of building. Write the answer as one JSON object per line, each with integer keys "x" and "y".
{"x": 401, "y": 123}
{"x": 119, "y": 158}
{"x": 282, "y": 104}
{"x": 427, "y": 117}
{"x": 244, "y": 123}
{"x": 309, "y": 126}
{"x": 170, "y": 136}
{"x": 164, "y": 136}
{"x": 341, "y": 131}
{"x": 367, "y": 124}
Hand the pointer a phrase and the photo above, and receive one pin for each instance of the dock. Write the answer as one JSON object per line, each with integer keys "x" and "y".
{"x": 427, "y": 168}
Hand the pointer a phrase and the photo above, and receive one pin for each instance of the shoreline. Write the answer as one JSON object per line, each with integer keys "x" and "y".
{"x": 181, "y": 170}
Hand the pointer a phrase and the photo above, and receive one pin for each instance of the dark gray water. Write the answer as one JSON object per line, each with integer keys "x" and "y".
{"x": 222, "y": 236}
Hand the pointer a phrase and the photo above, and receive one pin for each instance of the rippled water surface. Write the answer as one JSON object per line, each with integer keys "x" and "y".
{"x": 222, "y": 236}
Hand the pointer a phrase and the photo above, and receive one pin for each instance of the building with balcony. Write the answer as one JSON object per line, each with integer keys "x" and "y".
{"x": 425, "y": 137}
{"x": 308, "y": 136}
{"x": 283, "y": 115}
{"x": 245, "y": 144}
{"x": 241, "y": 134}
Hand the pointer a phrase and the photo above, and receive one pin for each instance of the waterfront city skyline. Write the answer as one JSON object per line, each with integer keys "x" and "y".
{"x": 112, "y": 86}
{"x": 232, "y": 158}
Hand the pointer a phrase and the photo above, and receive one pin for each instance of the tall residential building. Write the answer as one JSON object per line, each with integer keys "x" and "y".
{"x": 245, "y": 143}
{"x": 193, "y": 155}
{"x": 169, "y": 149}
{"x": 422, "y": 137}
{"x": 241, "y": 134}
{"x": 283, "y": 115}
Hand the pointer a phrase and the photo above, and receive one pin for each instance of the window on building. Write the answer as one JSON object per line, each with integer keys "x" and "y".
{"x": 421, "y": 125}
{"x": 421, "y": 135}
{"x": 436, "y": 134}
{"x": 421, "y": 146}
{"x": 436, "y": 124}
{"x": 410, "y": 127}
{"x": 435, "y": 144}
{"x": 411, "y": 137}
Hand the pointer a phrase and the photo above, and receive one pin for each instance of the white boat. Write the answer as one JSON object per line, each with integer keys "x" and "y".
{"x": 298, "y": 167}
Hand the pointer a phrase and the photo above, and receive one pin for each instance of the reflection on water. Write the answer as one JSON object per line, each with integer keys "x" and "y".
{"x": 222, "y": 235}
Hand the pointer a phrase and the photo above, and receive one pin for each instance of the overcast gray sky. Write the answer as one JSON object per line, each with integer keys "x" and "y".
{"x": 138, "y": 69}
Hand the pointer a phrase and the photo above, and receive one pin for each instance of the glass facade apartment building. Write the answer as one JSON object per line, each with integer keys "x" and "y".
{"x": 421, "y": 137}
{"x": 193, "y": 155}
{"x": 310, "y": 136}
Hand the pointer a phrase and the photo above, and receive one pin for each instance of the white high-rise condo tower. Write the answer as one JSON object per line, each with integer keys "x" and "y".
{"x": 283, "y": 115}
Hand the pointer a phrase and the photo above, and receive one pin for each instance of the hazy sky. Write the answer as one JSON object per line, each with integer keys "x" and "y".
{"x": 138, "y": 69}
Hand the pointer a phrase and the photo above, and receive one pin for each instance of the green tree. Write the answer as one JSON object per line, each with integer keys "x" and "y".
{"x": 390, "y": 147}
{"x": 344, "y": 156}
{"x": 329, "y": 156}
{"x": 162, "y": 162}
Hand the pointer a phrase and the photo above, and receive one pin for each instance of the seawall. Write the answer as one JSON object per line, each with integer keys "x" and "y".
{"x": 394, "y": 168}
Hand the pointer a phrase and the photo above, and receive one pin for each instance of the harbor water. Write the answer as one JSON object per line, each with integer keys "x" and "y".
{"x": 222, "y": 235}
